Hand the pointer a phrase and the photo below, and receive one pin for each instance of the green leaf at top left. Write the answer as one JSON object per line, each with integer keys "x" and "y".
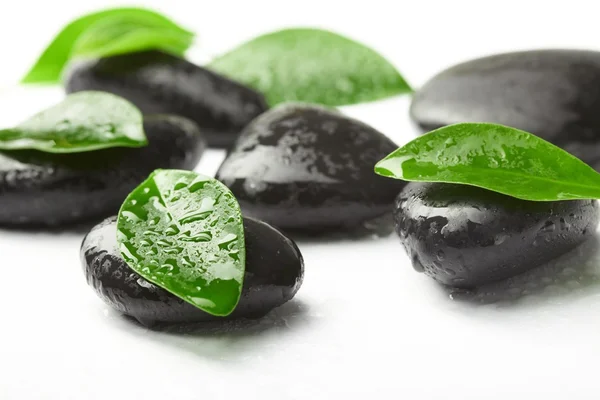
{"x": 184, "y": 232}
{"x": 84, "y": 121}
{"x": 145, "y": 30}
{"x": 128, "y": 34}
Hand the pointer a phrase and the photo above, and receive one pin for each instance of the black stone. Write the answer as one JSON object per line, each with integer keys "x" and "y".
{"x": 307, "y": 168}
{"x": 554, "y": 94}
{"x": 465, "y": 236}
{"x": 159, "y": 83}
{"x": 44, "y": 189}
{"x": 274, "y": 273}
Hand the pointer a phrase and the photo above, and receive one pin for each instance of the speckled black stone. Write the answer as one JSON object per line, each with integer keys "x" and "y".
{"x": 160, "y": 83}
{"x": 43, "y": 189}
{"x": 274, "y": 273}
{"x": 554, "y": 94}
{"x": 465, "y": 236}
{"x": 307, "y": 168}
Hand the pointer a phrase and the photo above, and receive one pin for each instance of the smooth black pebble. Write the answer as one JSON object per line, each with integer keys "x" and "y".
{"x": 274, "y": 273}
{"x": 308, "y": 168}
{"x": 465, "y": 236}
{"x": 554, "y": 94}
{"x": 157, "y": 82}
{"x": 43, "y": 189}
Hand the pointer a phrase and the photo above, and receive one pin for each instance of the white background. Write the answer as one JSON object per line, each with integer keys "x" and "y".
{"x": 364, "y": 324}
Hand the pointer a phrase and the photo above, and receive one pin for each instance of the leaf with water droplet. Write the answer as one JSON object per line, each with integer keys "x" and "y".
{"x": 311, "y": 65}
{"x": 494, "y": 157}
{"x": 170, "y": 245}
{"x": 83, "y": 121}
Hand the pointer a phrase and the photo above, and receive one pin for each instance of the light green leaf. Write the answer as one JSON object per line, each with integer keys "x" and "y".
{"x": 494, "y": 157}
{"x": 184, "y": 232}
{"x": 119, "y": 35}
{"x": 84, "y": 121}
{"x": 311, "y": 65}
{"x": 49, "y": 67}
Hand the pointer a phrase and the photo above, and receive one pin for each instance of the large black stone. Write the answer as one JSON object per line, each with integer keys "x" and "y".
{"x": 554, "y": 94}
{"x": 274, "y": 273}
{"x": 465, "y": 236}
{"x": 308, "y": 168}
{"x": 161, "y": 83}
{"x": 38, "y": 188}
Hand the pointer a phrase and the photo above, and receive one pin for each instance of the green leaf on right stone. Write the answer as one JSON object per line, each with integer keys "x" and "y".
{"x": 83, "y": 121}
{"x": 311, "y": 65}
{"x": 494, "y": 157}
{"x": 184, "y": 232}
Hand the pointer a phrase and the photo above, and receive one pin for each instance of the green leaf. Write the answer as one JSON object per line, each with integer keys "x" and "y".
{"x": 50, "y": 65}
{"x": 84, "y": 121}
{"x": 311, "y": 65}
{"x": 494, "y": 157}
{"x": 184, "y": 232}
{"x": 119, "y": 35}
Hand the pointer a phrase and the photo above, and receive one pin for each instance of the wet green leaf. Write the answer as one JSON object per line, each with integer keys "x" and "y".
{"x": 184, "y": 232}
{"x": 494, "y": 157}
{"x": 108, "y": 32}
{"x": 84, "y": 121}
{"x": 311, "y": 65}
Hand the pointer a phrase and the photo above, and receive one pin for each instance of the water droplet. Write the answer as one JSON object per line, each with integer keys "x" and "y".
{"x": 146, "y": 242}
{"x": 164, "y": 243}
{"x": 500, "y": 238}
{"x": 197, "y": 185}
{"x": 548, "y": 227}
{"x": 205, "y": 236}
{"x": 564, "y": 225}
{"x": 130, "y": 216}
{"x": 172, "y": 230}
{"x": 199, "y": 216}
{"x": 441, "y": 255}
{"x": 416, "y": 263}
{"x": 154, "y": 221}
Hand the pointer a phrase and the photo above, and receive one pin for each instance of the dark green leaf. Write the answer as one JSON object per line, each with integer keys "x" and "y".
{"x": 49, "y": 67}
{"x": 84, "y": 121}
{"x": 184, "y": 232}
{"x": 494, "y": 157}
{"x": 311, "y": 65}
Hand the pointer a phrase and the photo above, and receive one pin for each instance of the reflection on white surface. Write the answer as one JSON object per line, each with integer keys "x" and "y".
{"x": 573, "y": 275}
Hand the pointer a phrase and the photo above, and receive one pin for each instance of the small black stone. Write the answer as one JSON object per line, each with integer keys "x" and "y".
{"x": 554, "y": 94}
{"x": 160, "y": 83}
{"x": 308, "y": 168}
{"x": 465, "y": 236}
{"x": 44, "y": 189}
{"x": 274, "y": 273}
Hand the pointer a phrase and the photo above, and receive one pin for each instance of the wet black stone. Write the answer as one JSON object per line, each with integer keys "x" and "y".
{"x": 554, "y": 94}
{"x": 465, "y": 236}
{"x": 160, "y": 83}
{"x": 274, "y": 273}
{"x": 307, "y": 168}
{"x": 43, "y": 189}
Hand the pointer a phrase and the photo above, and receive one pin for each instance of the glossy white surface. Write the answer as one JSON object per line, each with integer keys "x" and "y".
{"x": 364, "y": 324}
